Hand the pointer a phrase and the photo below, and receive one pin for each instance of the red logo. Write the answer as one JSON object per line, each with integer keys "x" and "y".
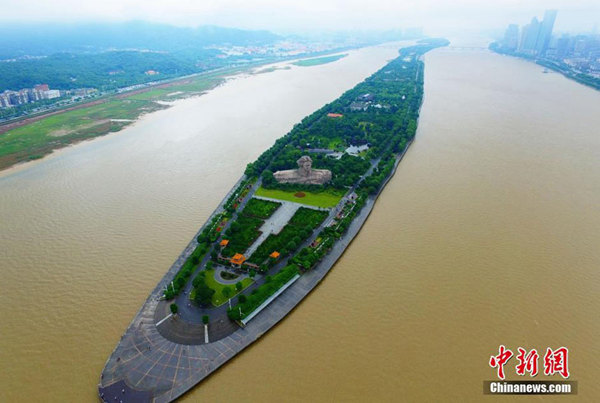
{"x": 555, "y": 361}
{"x": 499, "y": 360}
{"x": 528, "y": 362}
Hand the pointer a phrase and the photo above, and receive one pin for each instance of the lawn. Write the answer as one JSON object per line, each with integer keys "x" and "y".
{"x": 260, "y": 208}
{"x": 39, "y": 138}
{"x": 42, "y": 136}
{"x": 218, "y": 298}
{"x": 319, "y": 60}
{"x": 326, "y": 198}
{"x": 306, "y": 216}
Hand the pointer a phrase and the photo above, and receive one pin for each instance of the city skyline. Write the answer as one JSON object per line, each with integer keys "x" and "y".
{"x": 436, "y": 17}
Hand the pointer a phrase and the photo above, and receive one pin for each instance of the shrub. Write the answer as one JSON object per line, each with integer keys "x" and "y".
{"x": 262, "y": 293}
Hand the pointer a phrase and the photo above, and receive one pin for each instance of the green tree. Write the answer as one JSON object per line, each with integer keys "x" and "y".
{"x": 204, "y": 294}
{"x": 174, "y": 308}
{"x": 242, "y": 298}
{"x": 226, "y": 291}
{"x": 239, "y": 286}
{"x": 205, "y": 319}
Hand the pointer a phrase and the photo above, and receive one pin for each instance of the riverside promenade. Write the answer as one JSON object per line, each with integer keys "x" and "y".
{"x": 147, "y": 367}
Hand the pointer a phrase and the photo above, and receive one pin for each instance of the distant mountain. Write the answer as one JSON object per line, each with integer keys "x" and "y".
{"x": 41, "y": 39}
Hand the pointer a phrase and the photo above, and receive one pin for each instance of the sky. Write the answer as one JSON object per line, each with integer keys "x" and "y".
{"x": 301, "y": 16}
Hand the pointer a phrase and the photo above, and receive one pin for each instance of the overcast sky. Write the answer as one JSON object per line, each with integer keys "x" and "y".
{"x": 435, "y": 16}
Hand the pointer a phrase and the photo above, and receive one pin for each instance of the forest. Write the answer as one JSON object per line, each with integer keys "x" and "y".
{"x": 380, "y": 112}
{"x": 113, "y": 55}
{"x": 106, "y": 70}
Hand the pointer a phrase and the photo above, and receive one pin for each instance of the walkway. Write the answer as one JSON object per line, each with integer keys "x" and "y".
{"x": 299, "y": 204}
{"x": 274, "y": 224}
{"x": 221, "y": 280}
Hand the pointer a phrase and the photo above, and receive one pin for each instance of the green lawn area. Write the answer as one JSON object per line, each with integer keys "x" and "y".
{"x": 41, "y": 136}
{"x": 36, "y": 139}
{"x": 327, "y": 198}
{"x": 336, "y": 144}
{"x": 218, "y": 298}
{"x": 319, "y": 60}
{"x": 149, "y": 95}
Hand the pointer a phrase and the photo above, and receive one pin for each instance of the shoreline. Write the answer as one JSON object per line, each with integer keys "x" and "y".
{"x": 14, "y": 160}
{"x": 547, "y": 64}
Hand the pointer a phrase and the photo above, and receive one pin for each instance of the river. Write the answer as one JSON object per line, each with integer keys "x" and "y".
{"x": 488, "y": 234}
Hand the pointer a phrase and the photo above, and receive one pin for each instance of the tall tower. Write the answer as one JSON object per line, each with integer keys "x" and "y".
{"x": 511, "y": 37}
{"x": 529, "y": 37}
{"x": 545, "y": 33}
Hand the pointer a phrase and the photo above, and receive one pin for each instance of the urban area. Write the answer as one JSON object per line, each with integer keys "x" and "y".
{"x": 576, "y": 56}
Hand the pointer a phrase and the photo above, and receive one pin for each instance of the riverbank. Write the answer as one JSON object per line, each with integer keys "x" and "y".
{"x": 556, "y": 66}
{"x": 32, "y": 138}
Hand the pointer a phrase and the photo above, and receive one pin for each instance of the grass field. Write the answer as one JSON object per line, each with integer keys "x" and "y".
{"x": 327, "y": 198}
{"x": 218, "y": 298}
{"x": 319, "y": 60}
{"x": 36, "y": 139}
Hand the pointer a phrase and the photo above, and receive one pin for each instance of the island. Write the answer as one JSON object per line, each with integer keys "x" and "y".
{"x": 272, "y": 239}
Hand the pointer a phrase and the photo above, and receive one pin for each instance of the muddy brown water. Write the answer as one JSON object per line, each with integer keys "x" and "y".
{"x": 488, "y": 234}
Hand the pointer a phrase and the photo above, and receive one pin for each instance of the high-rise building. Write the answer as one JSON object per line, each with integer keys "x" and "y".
{"x": 529, "y": 37}
{"x": 536, "y": 36}
{"x": 545, "y": 32}
{"x": 511, "y": 37}
{"x": 563, "y": 45}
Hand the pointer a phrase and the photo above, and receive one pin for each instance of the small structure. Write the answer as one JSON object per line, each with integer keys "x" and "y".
{"x": 251, "y": 265}
{"x": 334, "y": 115}
{"x": 359, "y": 106}
{"x": 304, "y": 174}
{"x": 224, "y": 243}
{"x": 237, "y": 260}
{"x": 355, "y": 150}
{"x": 274, "y": 255}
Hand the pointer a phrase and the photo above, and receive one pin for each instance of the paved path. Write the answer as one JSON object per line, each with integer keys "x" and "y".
{"x": 221, "y": 280}
{"x": 291, "y": 202}
{"x": 274, "y": 224}
{"x": 188, "y": 311}
{"x": 163, "y": 320}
